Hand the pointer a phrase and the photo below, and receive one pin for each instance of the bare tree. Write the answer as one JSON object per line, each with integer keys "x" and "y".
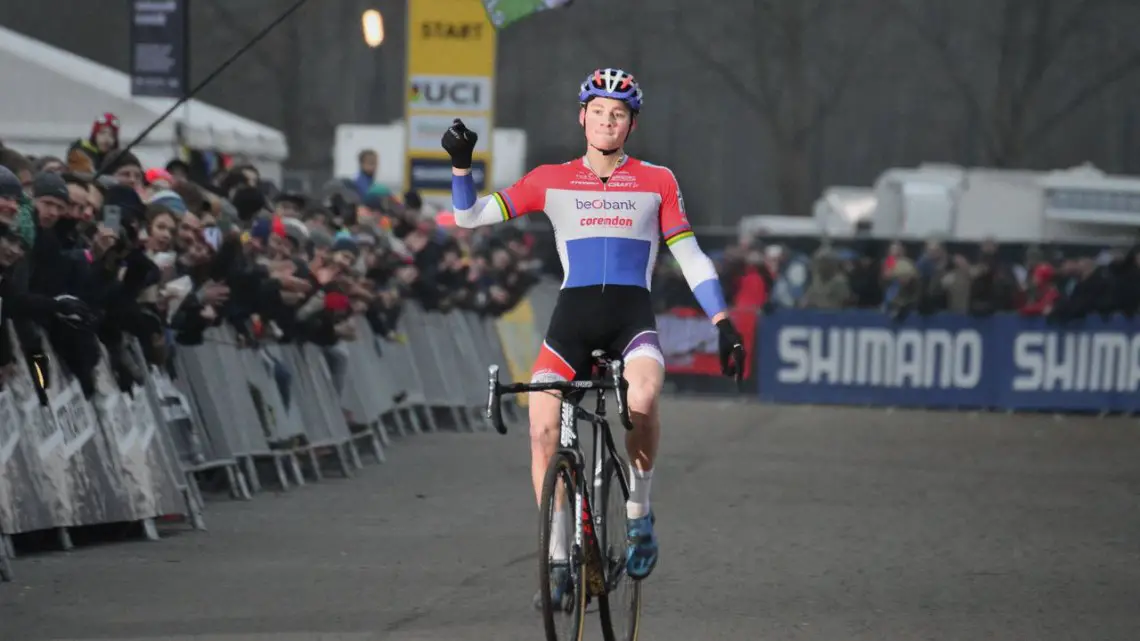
{"x": 802, "y": 58}
{"x": 1011, "y": 69}
{"x": 287, "y": 60}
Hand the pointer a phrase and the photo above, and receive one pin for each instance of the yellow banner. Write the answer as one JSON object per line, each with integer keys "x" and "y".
{"x": 520, "y": 342}
{"x": 451, "y": 74}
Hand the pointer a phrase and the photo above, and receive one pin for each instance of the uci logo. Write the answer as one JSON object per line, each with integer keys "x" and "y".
{"x": 437, "y": 30}
{"x": 450, "y": 93}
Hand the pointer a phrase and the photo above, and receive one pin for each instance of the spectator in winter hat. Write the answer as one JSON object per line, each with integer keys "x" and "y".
{"x": 158, "y": 179}
{"x": 19, "y": 165}
{"x": 249, "y": 202}
{"x": 11, "y": 192}
{"x": 88, "y": 154}
{"x": 125, "y": 167}
{"x": 378, "y": 198}
{"x": 345, "y": 250}
{"x": 170, "y": 200}
{"x": 297, "y": 233}
{"x": 53, "y": 200}
{"x": 289, "y": 204}
{"x": 178, "y": 169}
{"x": 320, "y": 244}
{"x": 49, "y": 163}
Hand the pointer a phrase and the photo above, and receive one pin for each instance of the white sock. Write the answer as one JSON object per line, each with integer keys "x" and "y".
{"x": 638, "y": 504}
{"x": 559, "y": 536}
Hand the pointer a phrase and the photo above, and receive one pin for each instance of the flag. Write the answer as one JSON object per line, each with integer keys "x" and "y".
{"x": 503, "y": 13}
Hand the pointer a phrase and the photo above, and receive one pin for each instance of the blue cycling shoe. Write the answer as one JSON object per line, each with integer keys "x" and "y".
{"x": 641, "y": 557}
{"x": 561, "y": 588}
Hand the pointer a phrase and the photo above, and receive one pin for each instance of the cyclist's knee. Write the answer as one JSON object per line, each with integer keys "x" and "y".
{"x": 645, "y": 382}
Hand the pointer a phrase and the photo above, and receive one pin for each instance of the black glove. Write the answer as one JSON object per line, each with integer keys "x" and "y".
{"x": 459, "y": 143}
{"x": 730, "y": 342}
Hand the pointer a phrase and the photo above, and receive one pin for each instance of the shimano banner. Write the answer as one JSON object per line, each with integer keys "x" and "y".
{"x": 1004, "y": 362}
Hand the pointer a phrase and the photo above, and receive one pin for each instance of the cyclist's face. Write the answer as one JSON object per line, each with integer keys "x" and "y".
{"x": 607, "y": 123}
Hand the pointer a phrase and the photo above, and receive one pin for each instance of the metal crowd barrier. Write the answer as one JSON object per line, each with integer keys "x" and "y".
{"x": 243, "y": 415}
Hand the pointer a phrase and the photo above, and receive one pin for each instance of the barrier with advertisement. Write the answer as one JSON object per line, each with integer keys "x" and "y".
{"x": 949, "y": 361}
{"x": 451, "y": 74}
{"x": 257, "y": 415}
{"x": 689, "y": 341}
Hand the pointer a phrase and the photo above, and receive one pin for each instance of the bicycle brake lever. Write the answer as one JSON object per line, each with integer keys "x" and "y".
{"x": 494, "y": 413}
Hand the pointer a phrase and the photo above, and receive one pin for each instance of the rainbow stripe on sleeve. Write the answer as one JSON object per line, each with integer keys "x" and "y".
{"x": 677, "y": 234}
{"x": 505, "y": 207}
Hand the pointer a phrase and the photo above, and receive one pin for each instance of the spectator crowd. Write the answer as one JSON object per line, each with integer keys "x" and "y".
{"x": 95, "y": 248}
{"x": 926, "y": 280}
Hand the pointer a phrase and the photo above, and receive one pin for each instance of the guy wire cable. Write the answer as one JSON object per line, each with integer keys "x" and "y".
{"x": 208, "y": 79}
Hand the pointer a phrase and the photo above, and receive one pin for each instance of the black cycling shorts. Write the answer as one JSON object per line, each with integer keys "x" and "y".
{"x": 618, "y": 319}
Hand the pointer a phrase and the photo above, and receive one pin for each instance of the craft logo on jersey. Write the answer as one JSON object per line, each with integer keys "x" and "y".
{"x": 622, "y": 180}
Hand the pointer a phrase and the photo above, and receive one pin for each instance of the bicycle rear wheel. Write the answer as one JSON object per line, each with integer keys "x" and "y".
{"x": 620, "y": 608}
{"x": 565, "y": 620}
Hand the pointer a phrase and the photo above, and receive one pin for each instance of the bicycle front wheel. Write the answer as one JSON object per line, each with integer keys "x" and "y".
{"x": 620, "y": 608}
{"x": 562, "y": 586}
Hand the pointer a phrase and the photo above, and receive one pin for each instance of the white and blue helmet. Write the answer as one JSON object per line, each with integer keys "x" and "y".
{"x": 611, "y": 83}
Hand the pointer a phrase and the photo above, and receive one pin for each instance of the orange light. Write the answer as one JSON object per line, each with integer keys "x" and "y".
{"x": 373, "y": 24}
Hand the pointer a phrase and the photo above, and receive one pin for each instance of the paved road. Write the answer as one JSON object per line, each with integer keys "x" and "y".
{"x": 807, "y": 524}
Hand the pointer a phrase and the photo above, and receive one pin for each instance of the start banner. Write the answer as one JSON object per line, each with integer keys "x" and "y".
{"x": 1000, "y": 362}
{"x": 451, "y": 74}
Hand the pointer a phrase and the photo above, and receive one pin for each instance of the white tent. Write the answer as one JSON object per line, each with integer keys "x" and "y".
{"x": 51, "y": 97}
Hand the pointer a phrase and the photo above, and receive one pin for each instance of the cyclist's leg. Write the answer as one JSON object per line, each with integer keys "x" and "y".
{"x": 545, "y": 412}
{"x": 545, "y": 422}
{"x": 645, "y": 372}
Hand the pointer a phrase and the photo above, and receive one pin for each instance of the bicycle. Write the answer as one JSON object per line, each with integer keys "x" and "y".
{"x": 592, "y": 574}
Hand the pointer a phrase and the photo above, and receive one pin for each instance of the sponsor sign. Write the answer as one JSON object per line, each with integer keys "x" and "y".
{"x": 601, "y": 204}
{"x": 1006, "y": 362}
{"x": 160, "y": 48}
{"x": 451, "y": 94}
{"x": 425, "y": 131}
{"x": 451, "y": 74}
{"x": 690, "y": 342}
{"x": 434, "y": 174}
{"x": 607, "y": 221}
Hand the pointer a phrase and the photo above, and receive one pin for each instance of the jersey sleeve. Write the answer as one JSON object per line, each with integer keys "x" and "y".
{"x": 527, "y": 195}
{"x": 698, "y": 269}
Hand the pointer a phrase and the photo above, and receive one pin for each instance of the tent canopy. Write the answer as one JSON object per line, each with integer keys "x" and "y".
{"x": 53, "y": 95}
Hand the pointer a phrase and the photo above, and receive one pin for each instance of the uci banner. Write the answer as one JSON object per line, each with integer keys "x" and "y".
{"x": 451, "y": 74}
{"x": 999, "y": 362}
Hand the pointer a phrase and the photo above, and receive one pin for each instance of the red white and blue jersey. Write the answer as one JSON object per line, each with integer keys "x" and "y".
{"x": 608, "y": 233}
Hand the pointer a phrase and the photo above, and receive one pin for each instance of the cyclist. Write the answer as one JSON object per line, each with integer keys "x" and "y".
{"x": 609, "y": 212}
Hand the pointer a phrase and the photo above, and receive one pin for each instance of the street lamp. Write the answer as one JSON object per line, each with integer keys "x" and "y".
{"x": 373, "y": 25}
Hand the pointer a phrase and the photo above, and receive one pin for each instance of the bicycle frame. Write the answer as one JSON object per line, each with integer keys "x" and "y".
{"x": 589, "y": 527}
{"x": 586, "y": 538}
